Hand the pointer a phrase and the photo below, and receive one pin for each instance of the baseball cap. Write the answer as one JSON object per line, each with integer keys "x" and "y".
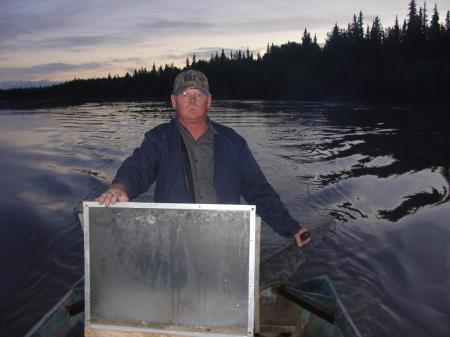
{"x": 190, "y": 79}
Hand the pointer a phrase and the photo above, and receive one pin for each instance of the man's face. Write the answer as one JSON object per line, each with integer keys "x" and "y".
{"x": 191, "y": 105}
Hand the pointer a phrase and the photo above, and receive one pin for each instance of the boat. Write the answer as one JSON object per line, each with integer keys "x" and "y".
{"x": 311, "y": 308}
{"x": 65, "y": 318}
{"x": 308, "y": 308}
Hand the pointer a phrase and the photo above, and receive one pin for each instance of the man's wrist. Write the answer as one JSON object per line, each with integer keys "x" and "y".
{"x": 121, "y": 187}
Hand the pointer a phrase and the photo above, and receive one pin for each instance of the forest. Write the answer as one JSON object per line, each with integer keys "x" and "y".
{"x": 407, "y": 62}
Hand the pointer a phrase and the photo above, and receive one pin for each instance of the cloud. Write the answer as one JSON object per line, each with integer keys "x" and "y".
{"x": 200, "y": 53}
{"x": 20, "y": 17}
{"x": 179, "y": 26}
{"x": 47, "y": 70}
{"x": 52, "y": 70}
{"x": 126, "y": 60}
{"x": 55, "y": 24}
{"x": 64, "y": 42}
{"x": 292, "y": 23}
{"x": 84, "y": 25}
{"x": 73, "y": 43}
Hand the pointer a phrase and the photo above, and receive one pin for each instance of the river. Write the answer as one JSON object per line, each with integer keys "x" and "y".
{"x": 371, "y": 182}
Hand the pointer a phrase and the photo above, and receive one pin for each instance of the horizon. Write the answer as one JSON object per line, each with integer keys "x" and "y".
{"x": 59, "y": 42}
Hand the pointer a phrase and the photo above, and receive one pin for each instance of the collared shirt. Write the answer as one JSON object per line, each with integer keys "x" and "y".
{"x": 201, "y": 158}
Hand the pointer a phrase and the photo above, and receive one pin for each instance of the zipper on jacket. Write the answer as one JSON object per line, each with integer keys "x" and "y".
{"x": 187, "y": 169}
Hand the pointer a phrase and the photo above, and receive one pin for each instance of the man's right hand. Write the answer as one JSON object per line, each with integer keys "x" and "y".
{"x": 298, "y": 237}
{"x": 116, "y": 193}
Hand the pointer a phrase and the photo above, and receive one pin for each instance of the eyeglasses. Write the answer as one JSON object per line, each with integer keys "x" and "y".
{"x": 189, "y": 95}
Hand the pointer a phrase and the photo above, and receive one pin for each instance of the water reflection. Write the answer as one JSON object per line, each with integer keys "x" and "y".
{"x": 391, "y": 147}
{"x": 414, "y": 202}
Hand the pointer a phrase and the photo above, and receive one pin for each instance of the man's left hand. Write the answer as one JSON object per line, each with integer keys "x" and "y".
{"x": 298, "y": 239}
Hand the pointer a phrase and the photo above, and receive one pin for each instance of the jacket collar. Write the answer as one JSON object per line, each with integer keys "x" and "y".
{"x": 176, "y": 124}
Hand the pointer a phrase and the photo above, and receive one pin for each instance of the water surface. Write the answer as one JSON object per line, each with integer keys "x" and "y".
{"x": 372, "y": 182}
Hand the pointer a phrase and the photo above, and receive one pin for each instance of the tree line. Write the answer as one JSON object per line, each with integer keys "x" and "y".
{"x": 408, "y": 62}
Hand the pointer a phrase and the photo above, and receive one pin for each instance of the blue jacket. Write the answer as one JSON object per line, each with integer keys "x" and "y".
{"x": 236, "y": 174}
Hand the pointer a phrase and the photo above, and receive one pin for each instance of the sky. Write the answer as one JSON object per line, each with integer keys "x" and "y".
{"x": 58, "y": 40}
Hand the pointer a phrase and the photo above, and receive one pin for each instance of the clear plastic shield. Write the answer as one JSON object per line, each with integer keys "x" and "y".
{"x": 171, "y": 267}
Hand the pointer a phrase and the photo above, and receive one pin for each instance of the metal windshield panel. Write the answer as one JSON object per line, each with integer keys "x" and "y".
{"x": 187, "y": 269}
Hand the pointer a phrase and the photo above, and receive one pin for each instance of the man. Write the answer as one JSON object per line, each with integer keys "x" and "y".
{"x": 193, "y": 159}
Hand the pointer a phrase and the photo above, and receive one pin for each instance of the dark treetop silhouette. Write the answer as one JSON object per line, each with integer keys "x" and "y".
{"x": 404, "y": 63}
